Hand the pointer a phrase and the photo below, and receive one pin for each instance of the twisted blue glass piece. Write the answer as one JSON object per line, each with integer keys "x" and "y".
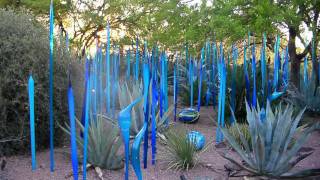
{"x": 124, "y": 125}
{"x": 73, "y": 132}
{"x": 51, "y": 87}
{"x": 200, "y": 80}
{"x": 32, "y": 128}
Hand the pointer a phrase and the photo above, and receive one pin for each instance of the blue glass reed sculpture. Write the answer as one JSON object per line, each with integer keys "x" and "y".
{"x": 200, "y": 80}
{"x": 124, "y": 125}
{"x": 32, "y": 128}
{"x": 73, "y": 132}
{"x": 108, "y": 86}
{"x": 51, "y": 86}
{"x": 146, "y": 83}
{"x": 253, "y": 64}
{"x": 86, "y": 129}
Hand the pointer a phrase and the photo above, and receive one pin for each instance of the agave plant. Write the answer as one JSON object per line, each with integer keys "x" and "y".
{"x": 270, "y": 153}
{"x": 244, "y": 129}
{"x": 308, "y": 96}
{"x": 128, "y": 92}
{"x": 104, "y": 143}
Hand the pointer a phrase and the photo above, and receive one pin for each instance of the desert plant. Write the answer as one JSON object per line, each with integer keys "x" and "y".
{"x": 180, "y": 153}
{"x": 128, "y": 92}
{"x": 307, "y": 96}
{"x": 104, "y": 143}
{"x": 271, "y": 133}
{"x": 24, "y": 48}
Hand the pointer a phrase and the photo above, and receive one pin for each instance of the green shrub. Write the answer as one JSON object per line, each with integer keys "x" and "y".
{"x": 24, "y": 48}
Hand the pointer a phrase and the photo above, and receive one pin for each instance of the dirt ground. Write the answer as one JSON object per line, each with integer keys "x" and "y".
{"x": 211, "y": 164}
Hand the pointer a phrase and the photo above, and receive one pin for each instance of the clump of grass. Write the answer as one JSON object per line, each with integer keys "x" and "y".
{"x": 179, "y": 152}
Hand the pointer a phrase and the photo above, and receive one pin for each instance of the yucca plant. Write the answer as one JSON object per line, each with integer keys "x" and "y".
{"x": 179, "y": 152}
{"x": 104, "y": 143}
{"x": 271, "y": 133}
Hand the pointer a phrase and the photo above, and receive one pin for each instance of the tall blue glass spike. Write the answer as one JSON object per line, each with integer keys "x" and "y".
{"x": 200, "y": 80}
{"x": 51, "y": 87}
{"x": 305, "y": 71}
{"x": 108, "y": 85}
{"x": 214, "y": 57}
{"x": 233, "y": 85}
{"x": 73, "y": 133}
{"x": 191, "y": 81}
{"x": 124, "y": 125}
{"x": 263, "y": 64}
{"x": 246, "y": 76}
{"x": 128, "y": 64}
{"x": 253, "y": 64}
{"x": 276, "y": 63}
{"x": 146, "y": 83}
{"x": 175, "y": 88}
{"x": 153, "y": 120}
{"x": 32, "y": 128}
{"x": 86, "y": 129}
{"x": 137, "y": 60}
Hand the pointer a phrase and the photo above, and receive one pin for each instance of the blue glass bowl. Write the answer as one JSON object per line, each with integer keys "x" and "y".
{"x": 197, "y": 138}
{"x": 189, "y": 115}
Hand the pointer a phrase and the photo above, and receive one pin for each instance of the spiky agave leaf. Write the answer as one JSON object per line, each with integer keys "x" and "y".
{"x": 104, "y": 143}
{"x": 273, "y": 147}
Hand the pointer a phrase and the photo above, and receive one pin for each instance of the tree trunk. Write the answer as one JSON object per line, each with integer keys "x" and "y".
{"x": 295, "y": 61}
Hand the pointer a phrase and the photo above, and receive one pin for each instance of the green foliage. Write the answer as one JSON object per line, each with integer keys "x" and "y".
{"x": 270, "y": 153}
{"x": 24, "y": 48}
{"x": 104, "y": 143}
{"x": 180, "y": 153}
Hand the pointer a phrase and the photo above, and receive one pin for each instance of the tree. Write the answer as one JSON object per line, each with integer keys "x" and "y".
{"x": 234, "y": 18}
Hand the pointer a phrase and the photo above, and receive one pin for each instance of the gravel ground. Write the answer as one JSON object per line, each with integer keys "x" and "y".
{"x": 211, "y": 164}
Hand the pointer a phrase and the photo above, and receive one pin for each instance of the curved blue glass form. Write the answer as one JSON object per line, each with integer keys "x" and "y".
{"x": 124, "y": 124}
{"x": 135, "y": 151}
